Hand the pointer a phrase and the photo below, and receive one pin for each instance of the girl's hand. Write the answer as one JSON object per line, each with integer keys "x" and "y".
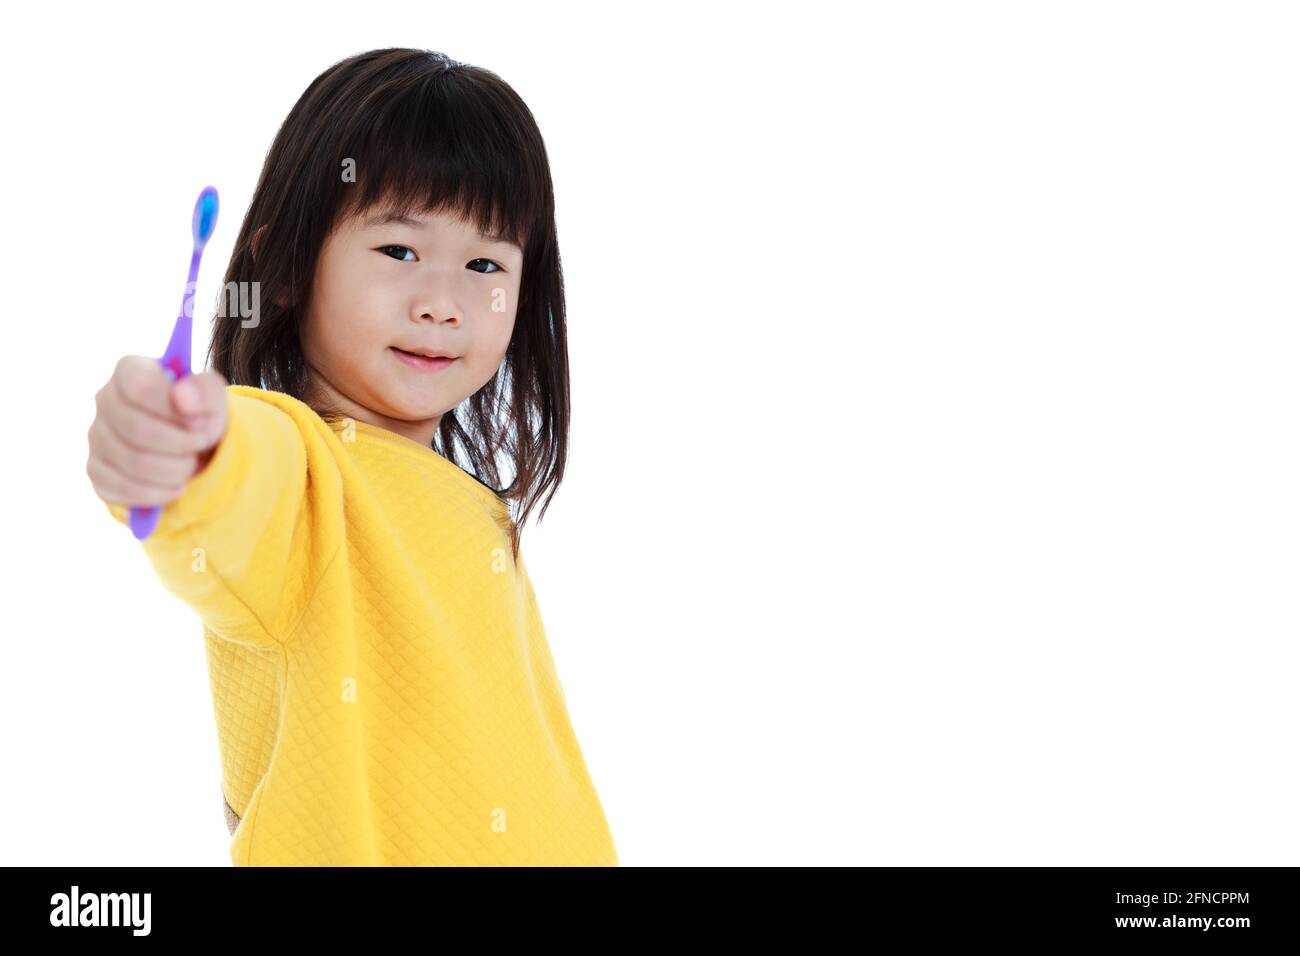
{"x": 150, "y": 435}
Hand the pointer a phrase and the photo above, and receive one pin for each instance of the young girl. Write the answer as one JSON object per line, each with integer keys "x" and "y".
{"x": 383, "y": 686}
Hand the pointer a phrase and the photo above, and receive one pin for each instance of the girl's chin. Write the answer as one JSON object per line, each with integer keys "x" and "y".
{"x": 407, "y": 409}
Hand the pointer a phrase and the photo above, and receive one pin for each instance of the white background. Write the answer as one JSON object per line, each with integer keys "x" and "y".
{"x": 933, "y": 490}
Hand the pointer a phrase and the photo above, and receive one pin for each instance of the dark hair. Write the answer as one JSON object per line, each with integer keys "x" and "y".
{"x": 426, "y": 133}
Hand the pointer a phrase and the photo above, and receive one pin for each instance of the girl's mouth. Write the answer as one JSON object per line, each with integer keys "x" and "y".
{"x": 421, "y": 361}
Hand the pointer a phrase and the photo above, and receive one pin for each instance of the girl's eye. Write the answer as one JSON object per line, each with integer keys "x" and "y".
{"x": 495, "y": 267}
{"x": 384, "y": 250}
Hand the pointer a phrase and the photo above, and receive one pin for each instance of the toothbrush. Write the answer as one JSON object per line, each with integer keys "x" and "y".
{"x": 176, "y": 360}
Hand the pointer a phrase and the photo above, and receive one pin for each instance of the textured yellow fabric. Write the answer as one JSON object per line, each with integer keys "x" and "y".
{"x": 383, "y": 687}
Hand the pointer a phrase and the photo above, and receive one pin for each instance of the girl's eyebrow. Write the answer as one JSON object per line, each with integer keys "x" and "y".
{"x": 384, "y": 218}
{"x": 401, "y": 218}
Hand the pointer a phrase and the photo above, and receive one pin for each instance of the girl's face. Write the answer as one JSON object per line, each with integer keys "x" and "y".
{"x": 430, "y": 282}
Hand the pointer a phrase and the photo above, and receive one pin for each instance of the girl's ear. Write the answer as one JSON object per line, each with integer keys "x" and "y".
{"x": 280, "y": 298}
{"x": 257, "y": 240}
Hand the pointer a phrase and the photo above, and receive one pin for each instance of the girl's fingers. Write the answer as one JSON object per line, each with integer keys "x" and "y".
{"x": 113, "y": 486}
{"x": 141, "y": 383}
{"x": 148, "y": 466}
{"x": 145, "y": 431}
{"x": 203, "y": 393}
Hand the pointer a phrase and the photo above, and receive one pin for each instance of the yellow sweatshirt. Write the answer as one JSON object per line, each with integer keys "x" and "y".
{"x": 383, "y": 687}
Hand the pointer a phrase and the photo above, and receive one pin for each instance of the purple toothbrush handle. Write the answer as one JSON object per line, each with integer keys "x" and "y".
{"x": 144, "y": 520}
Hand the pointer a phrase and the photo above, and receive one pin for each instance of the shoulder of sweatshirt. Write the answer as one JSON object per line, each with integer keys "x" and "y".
{"x": 302, "y": 414}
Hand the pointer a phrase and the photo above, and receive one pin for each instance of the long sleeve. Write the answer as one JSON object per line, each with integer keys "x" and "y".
{"x": 239, "y": 544}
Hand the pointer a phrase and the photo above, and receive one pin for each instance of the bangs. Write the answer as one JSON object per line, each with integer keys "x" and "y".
{"x": 444, "y": 145}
